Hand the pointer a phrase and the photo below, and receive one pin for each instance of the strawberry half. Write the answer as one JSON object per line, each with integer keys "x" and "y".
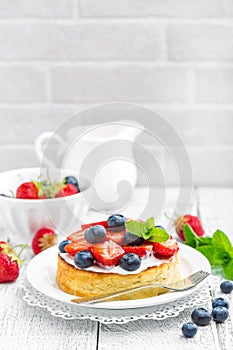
{"x": 116, "y": 237}
{"x": 166, "y": 249}
{"x": 193, "y": 221}
{"x": 141, "y": 250}
{"x": 76, "y": 236}
{"x": 107, "y": 253}
{"x": 76, "y": 246}
{"x": 43, "y": 239}
{"x": 102, "y": 223}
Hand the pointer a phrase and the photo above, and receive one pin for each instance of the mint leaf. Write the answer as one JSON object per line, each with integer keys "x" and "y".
{"x": 147, "y": 230}
{"x": 191, "y": 238}
{"x": 157, "y": 234}
{"x": 220, "y": 240}
{"x": 230, "y": 252}
{"x": 215, "y": 257}
{"x": 218, "y": 249}
{"x": 146, "y": 235}
{"x": 204, "y": 241}
{"x": 228, "y": 270}
{"x": 150, "y": 223}
{"x": 138, "y": 228}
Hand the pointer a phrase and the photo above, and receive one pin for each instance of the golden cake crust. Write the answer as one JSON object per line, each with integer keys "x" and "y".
{"x": 88, "y": 283}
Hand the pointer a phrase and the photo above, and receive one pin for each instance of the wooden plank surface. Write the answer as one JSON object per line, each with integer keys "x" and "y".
{"x": 216, "y": 212}
{"x": 27, "y": 327}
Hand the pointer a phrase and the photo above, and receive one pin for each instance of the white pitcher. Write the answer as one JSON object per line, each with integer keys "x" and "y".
{"x": 104, "y": 152}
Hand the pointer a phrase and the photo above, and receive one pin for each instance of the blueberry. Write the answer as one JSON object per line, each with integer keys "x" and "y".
{"x": 131, "y": 239}
{"x": 201, "y": 316}
{"x": 62, "y": 246}
{"x": 220, "y": 314}
{"x": 72, "y": 180}
{"x": 116, "y": 220}
{"x": 220, "y": 302}
{"x": 95, "y": 234}
{"x": 83, "y": 259}
{"x": 226, "y": 287}
{"x": 189, "y": 329}
{"x": 130, "y": 262}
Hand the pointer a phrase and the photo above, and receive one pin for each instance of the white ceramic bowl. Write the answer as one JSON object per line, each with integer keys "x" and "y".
{"x": 23, "y": 217}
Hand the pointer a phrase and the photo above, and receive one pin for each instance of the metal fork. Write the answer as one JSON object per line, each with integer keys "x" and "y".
{"x": 186, "y": 283}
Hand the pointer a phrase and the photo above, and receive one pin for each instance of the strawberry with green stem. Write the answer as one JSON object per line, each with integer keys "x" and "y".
{"x": 10, "y": 262}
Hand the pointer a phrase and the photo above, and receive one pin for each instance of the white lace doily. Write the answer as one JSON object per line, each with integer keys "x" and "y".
{"x": 159, "y": 312}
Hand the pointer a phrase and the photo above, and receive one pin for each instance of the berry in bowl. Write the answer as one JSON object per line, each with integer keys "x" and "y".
{"x": 31, "y": 199}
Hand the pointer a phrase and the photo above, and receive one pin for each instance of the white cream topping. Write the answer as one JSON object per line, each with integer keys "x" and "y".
{"x": 147, "y": 262}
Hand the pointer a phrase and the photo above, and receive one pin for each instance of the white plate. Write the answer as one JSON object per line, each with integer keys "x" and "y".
{"x": 41, "y": 273}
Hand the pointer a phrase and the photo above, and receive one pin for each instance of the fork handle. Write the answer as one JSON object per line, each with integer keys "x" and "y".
{"x": 104, "y": 297}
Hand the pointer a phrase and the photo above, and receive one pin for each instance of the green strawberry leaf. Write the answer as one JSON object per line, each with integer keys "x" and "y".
{"x": 228, "y": 270}
{"x": 191, "y": 238}
{"x": 220, "y": 240}
{"x": 138, "y": 228}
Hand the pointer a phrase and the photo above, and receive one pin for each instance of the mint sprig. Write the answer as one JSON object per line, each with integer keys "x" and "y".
{"x": 217, "y": 249}
{"x": 147, "y": 230}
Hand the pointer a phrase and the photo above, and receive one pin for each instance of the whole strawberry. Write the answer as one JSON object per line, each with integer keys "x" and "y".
{"x": 10, "y": 262}
{"x": 193, "y": 221}
{"x": 9, "y": 268}
{"x": 67, "y": 190}
{"x": 43, "y": 239}
{"x": 28, "y": 190}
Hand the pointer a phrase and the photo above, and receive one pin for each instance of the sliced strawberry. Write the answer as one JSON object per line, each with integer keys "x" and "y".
{"x": 77, "y": 246}
{"x": 116, "y": 237}
{"x": 166, "y": 249}
{"x": 107, "y": 253}
{"x": 76, "y": 236}
{"x": 103, "y": 223}
{"x": 141, "y": 250}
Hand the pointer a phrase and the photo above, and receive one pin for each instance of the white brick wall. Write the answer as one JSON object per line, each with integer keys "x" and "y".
{"x": 175, "y": 56}
{"x": 120, "y": 82}
{"x": 160, "y": 8}
{"x": 80, "y": 41}
{"x": 202, "y": 42}
{"x": 37, "y": 8}
{"x": 22, "y": 84}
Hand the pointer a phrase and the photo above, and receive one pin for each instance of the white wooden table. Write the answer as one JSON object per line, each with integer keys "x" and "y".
{"x": 26, "y": 327}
